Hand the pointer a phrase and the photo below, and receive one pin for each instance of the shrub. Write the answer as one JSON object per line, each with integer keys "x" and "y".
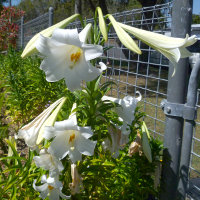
{"x": 8, "y": 27}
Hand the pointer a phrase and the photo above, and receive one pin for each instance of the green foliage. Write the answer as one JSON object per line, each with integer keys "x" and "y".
{"x": 27, "y": 92}
{"x": 125, "y": 177}
{"x": 196, "y": 19}
{"x": 24, "y": 94}
{"x": 64, "y": 8}
{"x": 17, "y": 174}
{"x": 104, "y": 176}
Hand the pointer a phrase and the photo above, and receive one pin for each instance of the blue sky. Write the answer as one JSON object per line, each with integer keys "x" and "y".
{"x": 196, "y": 5}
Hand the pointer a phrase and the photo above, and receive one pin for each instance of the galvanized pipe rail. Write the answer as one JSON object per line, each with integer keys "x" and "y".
{"x": 188, "y": 132}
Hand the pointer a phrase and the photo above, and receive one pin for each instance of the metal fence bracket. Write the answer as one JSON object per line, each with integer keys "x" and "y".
{"x": 179, "y": 110}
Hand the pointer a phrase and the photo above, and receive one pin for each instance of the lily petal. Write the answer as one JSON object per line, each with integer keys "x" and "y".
{"x": 86, "y": 131}
{"x": 126, "y": 111}
{"x": 102, "y": 24}
{"x": 69, "y": 37}
{"x": 72, "y": 82}
{"x": 48, "y": 162}
{"x": 43, "y": 179}
{"x": 92, "y": 51}
{"x": 168, "y": 46}
{"x": 45, "y": 45}
{"x": 75, "y": 155}
{"x": 30, "y": 131}
{"x": 43, "y": 189}
{"x": 30, "y": 47}
{"x": 54, "y": 195}
{"x": 85, "y": 147}
{"x": 58, "y": 146}
{"x": 84, "y": 34}
{"x": 87, "y": 72}
{"x": 49, "y": 132}
{"x": 125, "y": 39}
{"x": 50, "y": 121}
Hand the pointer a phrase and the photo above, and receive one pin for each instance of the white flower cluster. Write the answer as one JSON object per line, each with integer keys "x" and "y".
{"x": 68, "y": 139}
{"x": 72, "y": 140}
{"x": 125, "y": 112}
{"x": 67, "y": 55}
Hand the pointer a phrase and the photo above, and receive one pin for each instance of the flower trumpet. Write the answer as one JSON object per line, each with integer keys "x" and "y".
{"x": 171, "y": 47}
{"x": 67, "y": 56}
{"x": 31, "y": 131}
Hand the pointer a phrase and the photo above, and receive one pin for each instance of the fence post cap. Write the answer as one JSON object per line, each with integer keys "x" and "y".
{"x": 50, "y": 9}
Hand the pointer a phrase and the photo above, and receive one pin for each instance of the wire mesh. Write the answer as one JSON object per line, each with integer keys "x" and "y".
{"x": 34, "y": 26}
{"x": 18, "y": 42}
{"x": 146, "y": 73}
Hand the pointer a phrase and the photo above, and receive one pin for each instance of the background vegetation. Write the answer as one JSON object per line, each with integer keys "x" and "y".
{"x": 65, "y": 8}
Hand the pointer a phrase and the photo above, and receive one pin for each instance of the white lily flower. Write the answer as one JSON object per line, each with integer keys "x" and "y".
{"x": 52, "y": 188}
{"x": 30, "y": 131}
{"x": 171, "y": 47}
{"x": 126, "y": 110}
{"x": 48, "y": 162}
{"x": 76, "y": 184}
{"x": 70, "y": 139}
{"x": 119, "y": 140}
{"x": 30, "y": 47}
{"x": 67, "y": 56}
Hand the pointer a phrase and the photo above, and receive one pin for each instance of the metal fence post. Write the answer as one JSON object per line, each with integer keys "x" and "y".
{"x": 176, "y": 92}
{"x": 22, "y": 32}
{"x": 50, "y": 16}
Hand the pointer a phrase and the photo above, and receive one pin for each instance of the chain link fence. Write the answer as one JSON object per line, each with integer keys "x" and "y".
{"x": 146, "y": 73}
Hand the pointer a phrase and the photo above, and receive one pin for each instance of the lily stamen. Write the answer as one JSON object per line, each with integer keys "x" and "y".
{"x": 72, "y": 137}
{"x": 50, "y": 187}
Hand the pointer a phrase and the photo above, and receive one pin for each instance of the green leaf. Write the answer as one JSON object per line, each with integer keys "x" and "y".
{"x": 15, "y": 153}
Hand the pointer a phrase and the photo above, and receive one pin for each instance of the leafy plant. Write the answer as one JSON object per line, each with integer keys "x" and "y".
{"x": 17, "y": 174}
{"x": 27, "y": 92}
{"x": 9, "y": 29}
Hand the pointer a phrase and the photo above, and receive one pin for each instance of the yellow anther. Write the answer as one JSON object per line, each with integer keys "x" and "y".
{"x": 72, "y": 137}
{"x": 75, "y": 56}
{"x": 50, "y": 187}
